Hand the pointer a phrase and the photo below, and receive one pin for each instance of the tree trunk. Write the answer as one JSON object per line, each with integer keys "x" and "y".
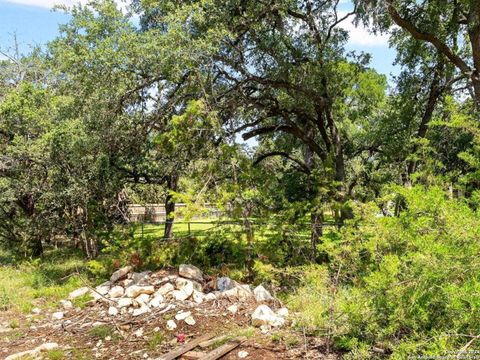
{"x": 433, "y": 96}
{"x": 37, "y": 247}
{"x": 172, "y": 183}
{"x": 317, "y": 229}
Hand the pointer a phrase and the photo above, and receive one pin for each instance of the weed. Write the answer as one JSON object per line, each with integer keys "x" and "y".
{"x": 157, "y": 339}
{"x": 291, "y": 340}
{"x": 14, "y": 324}
{"x": 101, "y": 331}
{"x": 56, "y": 354}
{"x": 81, "y": 301}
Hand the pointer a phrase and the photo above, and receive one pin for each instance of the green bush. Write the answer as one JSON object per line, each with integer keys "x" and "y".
{"x": 408, "y": 284}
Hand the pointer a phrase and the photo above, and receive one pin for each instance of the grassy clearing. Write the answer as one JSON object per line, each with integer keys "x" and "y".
{"x": 41, "y": 282}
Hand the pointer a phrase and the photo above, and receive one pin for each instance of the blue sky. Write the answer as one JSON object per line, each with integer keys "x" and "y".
{"x": 35, "y": 24}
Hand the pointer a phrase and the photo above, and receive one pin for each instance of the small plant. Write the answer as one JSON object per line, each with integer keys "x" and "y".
{"x": 14, "y": 324}
{"x": 5, "y": 301}
{"x": 276, "y": 337}
{"x": 157, "y": 339}
{"x": 291, "y": 340}
{"x": 101, "y": 332}
{"x": 82, "y": 301}
{"x": 56, "y": 354}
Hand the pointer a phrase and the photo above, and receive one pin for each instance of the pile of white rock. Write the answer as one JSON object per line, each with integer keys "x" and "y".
{"x": 135, "y": 294}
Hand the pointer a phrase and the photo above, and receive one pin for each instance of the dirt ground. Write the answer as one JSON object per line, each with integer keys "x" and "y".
{"x": 89, "y": 333}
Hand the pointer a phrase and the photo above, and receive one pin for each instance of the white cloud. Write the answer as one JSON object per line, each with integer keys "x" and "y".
{"x": 360, "y": 36}
{"x": 50, "y": 3}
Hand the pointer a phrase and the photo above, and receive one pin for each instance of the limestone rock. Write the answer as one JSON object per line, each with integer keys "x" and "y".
{"x": 135, "y": 290}
{"x": 198, "y": 296}
{"x": 112, "y": 311}
{"x": 261, "y": 294}
{"x": 66, "y": 304}
{"x": 182, "y": 315}
{"x": 190, "y": 272}
{"x": 141, "y": 278}
{"x": 233, "y": 308}
{"x": 263, "y": 315}
{"x": 190, "y": 320}
{"x": 181, "y": 283}
{"x": 143, "y": 298}
{"x": 79, "y": 292}
{"x": 156, "y": 301}
{"x": 225, "y": 283}
{"x": 242, "y": 354}
{"x": 124, "y": 302}
{"x": 104, "y": 288}
{"x": 171, "y": 325}
{"x": 185, "y": 290}
{"x": 120, "y": 274}
{"x": 283, "y": 312}
{"x": 165, "y": 289}
{"x": 240, "y": 292}
{"x": 210, "y": 297}
{"x": 58, "y": 315}
{"x": 116, "y": 291}
{"x": 141, "y": 310}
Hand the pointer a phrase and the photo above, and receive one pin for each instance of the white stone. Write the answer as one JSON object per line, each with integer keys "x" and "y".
{"x": 127, "y": 282}
{"x": 104, "y": 288}
{"x": 165, "y": 289}
{"x": 185, "y": 290}
{"x": 261, "y": 294}
{"x": 135, "y": 290}
{"x": 141, "y": 278}
{"x": 182, "y": 315}
{"x": 241, "y": 292}
{"x": 139, "y": 332}
{"x": 124, "y": 302}
{"x": 143, "y": 298}
{"x": 225, "y": 283}
{"x": 263, "y": 315}
{"x": 120, "y": 274}
{"x": 79, "y": 292}
{"x": 190, "y": 321}
{"x": 171, "y": 325}
{"x": 116, "y": 292}
{"x": 242, "y": 354}
{"x": 283, "y": 312}
{"x": 198, "y": 296}
{"x": 233, "y": 309}
{"x": 156, "y": 301}
{"x": 180, "y": 283}
{"x": 141, "y": 310}
{"x": 36, "y": 310}
{"x": 66, "y": 304}
{"x": 112, "y": 311}
{"x": 57, "y": 315}
{"x": 210, "y": 297}
{"x": 190, "y": 272}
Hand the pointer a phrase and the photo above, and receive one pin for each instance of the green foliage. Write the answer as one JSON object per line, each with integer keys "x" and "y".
{"x": 26, "y": 285}
{"x": 101, "y": 332}
{"x": 56, "y": 354}
{"x": 157, "y": 339}
{"x": 403, "y": 283}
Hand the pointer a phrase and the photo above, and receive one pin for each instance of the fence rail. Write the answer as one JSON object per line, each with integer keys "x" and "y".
{"x": 221, "y": 223}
